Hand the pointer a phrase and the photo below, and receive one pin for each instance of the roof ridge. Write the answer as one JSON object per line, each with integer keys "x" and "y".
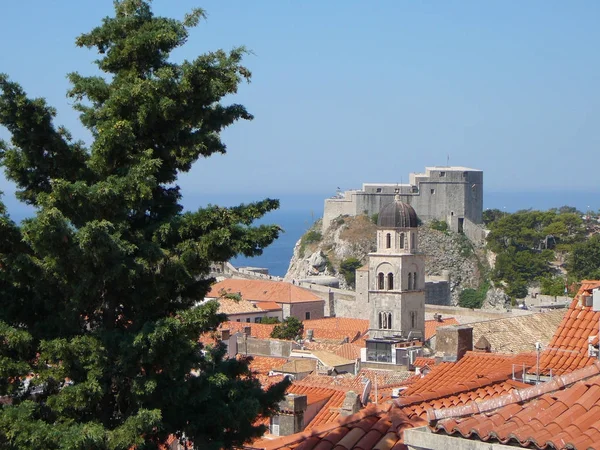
{"x": 516, "y": 396}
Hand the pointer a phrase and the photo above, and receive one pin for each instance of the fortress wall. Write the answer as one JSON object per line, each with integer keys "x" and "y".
{"x": 437, "y": 292}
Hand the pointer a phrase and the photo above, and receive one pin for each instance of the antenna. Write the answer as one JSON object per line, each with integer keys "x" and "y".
{"x": 364, "y": 398}
{"x": 448, "y": 159}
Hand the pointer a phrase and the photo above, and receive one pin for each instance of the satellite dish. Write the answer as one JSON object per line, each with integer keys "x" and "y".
{"x": 364, "y": 398}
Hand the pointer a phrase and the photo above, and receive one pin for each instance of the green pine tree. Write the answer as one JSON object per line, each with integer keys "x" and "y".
{"x": 99, "y": 337}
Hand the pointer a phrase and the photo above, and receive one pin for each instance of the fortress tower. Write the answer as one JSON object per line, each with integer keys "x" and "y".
{"x": 453, "y": 194}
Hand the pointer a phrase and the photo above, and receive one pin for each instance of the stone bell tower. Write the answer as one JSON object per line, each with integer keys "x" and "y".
{"x": 396, "y": 275}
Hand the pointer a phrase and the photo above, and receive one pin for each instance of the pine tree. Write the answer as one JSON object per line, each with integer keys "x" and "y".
{"x": 99, "y": 337}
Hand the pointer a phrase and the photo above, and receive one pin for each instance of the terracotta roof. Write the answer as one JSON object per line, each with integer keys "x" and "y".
{"x": 422, "y": 361}
{"x": 301, "y": 365}
{"x": 520, "y": 333}
{"x": 258, "y": 330}
{"x": 342, "y": 323}
{"x": 562, "y": 413}
{"x": 431, "y": 326}
{"x": 329, "y": 359}
{"x": 568, "y": 349}
{"x": 472, "y": 371}
{"x": 268, "y": 306}
{"x": 330, "y": 410}
{"x": 265, "y": 364}
{"x": 346, "y": 350}
{"x": 264, "y": 291}
{"x": 335, "y": 335}
{"x": 375, "y": 427}
{"x": 229, "y": 306}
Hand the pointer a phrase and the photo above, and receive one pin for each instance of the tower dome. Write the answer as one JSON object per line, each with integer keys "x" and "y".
{"x": 397, "y": 214}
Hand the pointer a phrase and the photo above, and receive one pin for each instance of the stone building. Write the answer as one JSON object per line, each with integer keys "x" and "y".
{"x": 449, "y": 193}
{"x": 393, "y": 286}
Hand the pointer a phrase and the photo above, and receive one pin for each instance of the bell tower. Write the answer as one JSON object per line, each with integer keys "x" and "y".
{"x": 396, "y": 275}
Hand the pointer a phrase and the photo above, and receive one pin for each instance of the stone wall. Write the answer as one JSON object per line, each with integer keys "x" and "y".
{"x": 437, "y": 292}
{"x": 263, "y": 347}
{"x": 452, "y": 194}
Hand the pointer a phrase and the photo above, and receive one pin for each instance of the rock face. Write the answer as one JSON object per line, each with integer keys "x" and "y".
{"x": 496, "y": 299}
{"x": 354, "y": 237}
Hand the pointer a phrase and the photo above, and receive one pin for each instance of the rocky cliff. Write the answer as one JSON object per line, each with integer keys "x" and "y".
{"x": 322, "y": 254}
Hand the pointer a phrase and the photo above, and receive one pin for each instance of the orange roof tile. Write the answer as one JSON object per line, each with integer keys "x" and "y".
{"x": 432, "y": 325}
{"x": 265, "y": 364}
{"x": 568, "y": 349}
{"x": 229, "y": 306}
{"x": 421, "y": 361}
{"x": 562, "y": 413}
{"x": 472, "y": 371}
{"x": 343, "y": 323}
{"x": 268, "y": 306}
{"x": 346, "y": 350}
{"x": 258, "y": 330}
{"x": 264, "y": 291}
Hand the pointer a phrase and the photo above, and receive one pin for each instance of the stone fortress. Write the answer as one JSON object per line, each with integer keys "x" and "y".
{"x": 452, "y": 194}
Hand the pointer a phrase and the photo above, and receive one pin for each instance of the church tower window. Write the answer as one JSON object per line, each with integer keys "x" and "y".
{"x": 401, "y": 240}
{"x": 414, "y": 280}
{"x": 413, "y": 319}
{"x": 390, "y": 285}
{"x": 385, "y": 320}
{"x": 409, "y": 281}
{"x": 381, "y": 281}
{"x": 388, "y": 240}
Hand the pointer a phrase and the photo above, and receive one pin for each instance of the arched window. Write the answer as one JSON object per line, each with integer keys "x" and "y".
{"x": 401, "y": 240}
{"x": 390, "y": 281}
{"x": 409, "y": 281}
{"x": 389, "y": 321}
{"x": 381, "y": 281}
{"x": 414, "y": 280}
{"x": 380, "y": 320}
{"x": 388, "y": 240}
{"x": 385, "y": 320}
{"x": 413, "y": 319}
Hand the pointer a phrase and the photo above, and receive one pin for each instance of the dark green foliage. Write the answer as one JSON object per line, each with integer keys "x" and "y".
{"x": 473, "y": 298}
{"x": 375, "y": 218}
{"x": 312, "y": 236}
{"x": 524, "y": 241}
{"x": 269, "y": 320}
{"x": 98, "y": 287}
{"x": 553, "y": 286}
{"x": 290, "y": 329}
{"x": 491, "y": 215}
{"x": 584, "y": 260}
{"x": 439, "y": 225}
{"x": 348, "y": 269}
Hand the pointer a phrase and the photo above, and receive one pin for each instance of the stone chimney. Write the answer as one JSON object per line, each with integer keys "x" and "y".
{"x": 225, "y": 335}
{"x": 290, "y": 419}
{"x": 452, "y": 342}
{"x": 351, "y": 404}
{"x": 483, "y": 345}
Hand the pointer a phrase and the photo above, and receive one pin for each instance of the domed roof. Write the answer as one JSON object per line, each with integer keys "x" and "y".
{"x": 397, "y": 214}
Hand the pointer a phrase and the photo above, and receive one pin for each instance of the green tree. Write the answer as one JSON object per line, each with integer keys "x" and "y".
{"x": 553, "y": 286}
{"x": 348, "y": 269}
{"x": 289, "y": 329}
{"x": 584, "y": 259}
{"x": 96, "y": 290}
{"x": 269, "y": 320}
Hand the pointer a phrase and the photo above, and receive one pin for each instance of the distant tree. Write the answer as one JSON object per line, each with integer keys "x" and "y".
{"x": 439, "y": 225}
{"x": 348, "y": 270}
{"x": 491, "y": 215}
{"x": 553, "y": 285}
{"x": 96, "y": 290}
{"x": 269, "y": 320}
{"x": 290, "y": 329}
{"x": 584, "y": 260}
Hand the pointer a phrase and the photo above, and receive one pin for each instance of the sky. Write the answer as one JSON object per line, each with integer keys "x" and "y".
{"x": 346, "y": 91}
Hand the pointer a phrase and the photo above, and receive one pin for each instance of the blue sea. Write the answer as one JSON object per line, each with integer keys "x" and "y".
{"x": 297, "y": 213}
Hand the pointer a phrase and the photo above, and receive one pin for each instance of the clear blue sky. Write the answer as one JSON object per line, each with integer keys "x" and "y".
{"x": 346, "y": 92}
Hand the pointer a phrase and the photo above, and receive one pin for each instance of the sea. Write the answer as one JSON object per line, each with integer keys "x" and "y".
{"x": 298, "y": 212}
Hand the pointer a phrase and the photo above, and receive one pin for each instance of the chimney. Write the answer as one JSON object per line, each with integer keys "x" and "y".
{"x": 247, "y": 331}
{"x": 351, "y": 404}
{"x": 225, "y": 335}
{"x": 290, "y": 419}
{"x": 453, "y": 342}
{"x": 309, "y": 335}
{"x": 437, "y": 317}
{"x": 483, "y": 345}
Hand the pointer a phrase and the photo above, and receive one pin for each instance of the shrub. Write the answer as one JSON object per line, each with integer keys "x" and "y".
{"x": 473, "y": 298}
{"x": 439, "y": 225}
{"x": 289, "y": 329}
{"x": 348, "y": 268}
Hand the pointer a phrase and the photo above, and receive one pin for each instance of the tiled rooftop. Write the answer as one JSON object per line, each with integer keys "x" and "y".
{"x": 268, "y": 306}
{"x": 520, "y": 333}
{"x": 422, "y": 361}
{"x": 258, "y": 330}
{"x": 264, "y": 291}
{"x": 348, "y": 351}
{"x": 335, "y": 323}
{"x": 472, "y": 371}
{"x": 375, "y": 427}
{"x": 562, "y": 413}
{"x": 432, "y": 325}
{"x": 568, "y": 349}
{"x": 229, "y": 306}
